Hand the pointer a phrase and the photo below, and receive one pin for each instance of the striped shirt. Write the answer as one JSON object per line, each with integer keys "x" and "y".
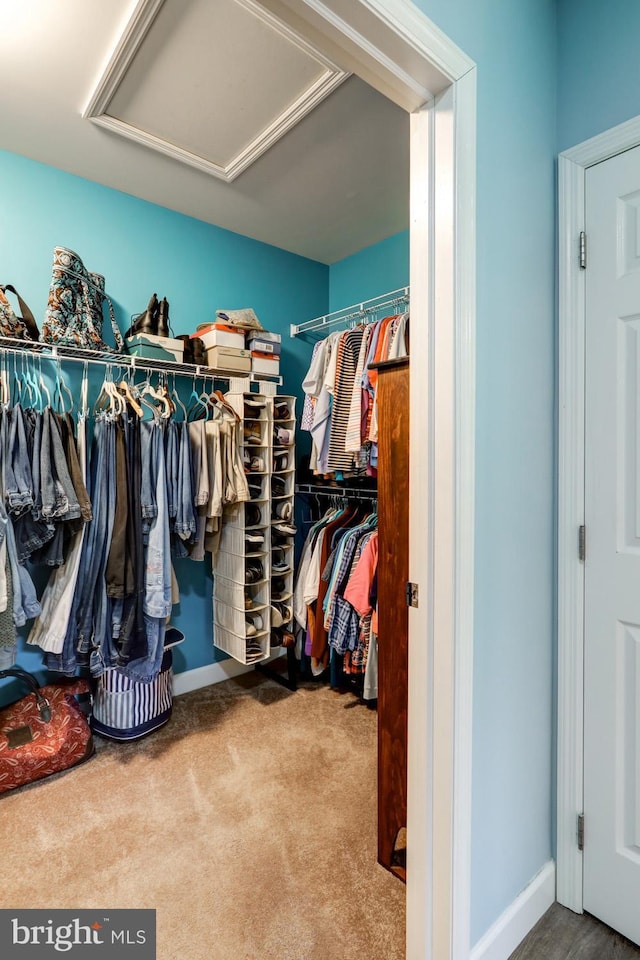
{"x": 348, "y": 353}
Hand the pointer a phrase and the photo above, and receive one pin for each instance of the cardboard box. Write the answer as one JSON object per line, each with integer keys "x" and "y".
{"x": 268, "y": 365}
{"x": 175, "y": 348}
{"x": 264, "y": 335}
{"x": 229, "y": 358}
{"x": 270, "y": 347}
{"x": 213, "y": 336}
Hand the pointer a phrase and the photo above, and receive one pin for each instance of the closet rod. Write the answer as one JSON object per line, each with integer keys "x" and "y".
{"x": 78, "y": 355}
{"x": 394, "y": 298}
{"x": 350, "y": 493}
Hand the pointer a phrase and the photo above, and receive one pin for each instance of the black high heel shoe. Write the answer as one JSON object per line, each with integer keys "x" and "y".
{"x": 146, "y": 322}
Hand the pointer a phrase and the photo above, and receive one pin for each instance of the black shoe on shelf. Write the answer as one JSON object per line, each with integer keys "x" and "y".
{"x": 146, "y": 322}
{"x": 253, "y": 572}
{"x": 252, "y": 515}
{"x": 163, "y": 318}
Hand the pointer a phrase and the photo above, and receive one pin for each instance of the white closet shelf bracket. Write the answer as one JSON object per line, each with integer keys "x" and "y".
{"x": 354, "y": 313}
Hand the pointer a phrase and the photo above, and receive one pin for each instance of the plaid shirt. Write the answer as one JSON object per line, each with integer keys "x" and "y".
{"x": 343, "y": 620}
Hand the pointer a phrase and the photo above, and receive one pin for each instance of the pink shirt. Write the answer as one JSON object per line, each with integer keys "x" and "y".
{"x": 359, "y": 586}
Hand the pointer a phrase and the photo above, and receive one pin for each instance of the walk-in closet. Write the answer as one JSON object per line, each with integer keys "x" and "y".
{"x": 205, "y": 512}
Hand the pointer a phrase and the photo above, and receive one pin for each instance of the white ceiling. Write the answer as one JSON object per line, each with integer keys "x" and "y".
{"x": 187, "y": 95}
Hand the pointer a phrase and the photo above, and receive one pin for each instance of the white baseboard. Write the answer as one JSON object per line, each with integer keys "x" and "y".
{"x": 211, "y": 673}
{"x": 514, "y": 924}
{"x": 204, "y": 676}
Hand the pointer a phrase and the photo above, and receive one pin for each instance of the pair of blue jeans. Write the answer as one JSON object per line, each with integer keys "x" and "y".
{"x": 157, "y": 556}
{"x": 94, "y": 609}
{"x": 185, "y": 521}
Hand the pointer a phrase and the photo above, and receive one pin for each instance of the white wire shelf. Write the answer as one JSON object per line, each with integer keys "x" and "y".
{"x": 342, "y": 492}
{"x": 353, "y": 314}
{"x": 49, "y": 351}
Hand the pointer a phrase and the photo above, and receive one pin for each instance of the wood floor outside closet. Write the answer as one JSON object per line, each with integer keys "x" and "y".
{"x": 564, "y": 935}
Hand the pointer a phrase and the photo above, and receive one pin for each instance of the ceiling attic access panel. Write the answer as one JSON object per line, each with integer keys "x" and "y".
{"x": 213, "y": 85}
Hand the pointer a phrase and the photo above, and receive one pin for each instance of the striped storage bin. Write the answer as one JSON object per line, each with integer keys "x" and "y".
{"x": 126, "y": 709}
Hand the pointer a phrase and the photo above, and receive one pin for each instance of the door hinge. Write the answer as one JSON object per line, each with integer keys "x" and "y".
{"x": 581, "y": 831}
{"x": 582, "y": 543}
{"x": 411, "y": 593}
{"x": 583, "y": 250}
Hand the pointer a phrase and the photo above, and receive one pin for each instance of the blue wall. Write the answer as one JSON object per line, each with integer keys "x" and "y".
{"x": 598, "y": 74}
{"x": 370, "y": 272}
{"x": 514, "y": 47}
{"x": 141, "y": 247}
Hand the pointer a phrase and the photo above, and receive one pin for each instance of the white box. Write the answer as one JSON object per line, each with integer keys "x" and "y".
{"x": 265, "y": 365}
{"x": 229, "y": 358}
{"x": 264, "y": 335}
{"x": 264, "y": 346}
{"x": 211, "y": 336}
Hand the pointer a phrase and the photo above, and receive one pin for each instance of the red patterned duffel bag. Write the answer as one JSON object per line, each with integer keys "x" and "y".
{"x": 43, "y": 733}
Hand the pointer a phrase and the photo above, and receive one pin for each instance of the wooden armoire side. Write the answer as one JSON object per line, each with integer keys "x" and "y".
{"x": 393, "y": 619}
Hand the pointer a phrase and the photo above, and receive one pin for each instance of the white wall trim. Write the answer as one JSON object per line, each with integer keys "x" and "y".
{"x": 389, "y": 44}
{"x": 421, "y": 867}
{"x": 465, "y": 407}
{"x": 607, "y": 144}
{"x": 423, "y": 35}
{"x": 200, "y": 677}
{"x": 570, "y": 517}
{"x": 572, "y": 165}
{"x": 519, "y": 918}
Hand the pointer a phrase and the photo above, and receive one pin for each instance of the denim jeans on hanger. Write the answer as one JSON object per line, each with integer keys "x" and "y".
{"x": 157, "y": 602}
{"x": 185, "y": 525}
{"x": 54, "y": 500}
{"x": 148, "y": 480}
{"x": 171, "y": 457}
{"x": 31, "y": 532}
{"x": 128, "y": 615}
{"x": 35, "y": 468}
{"x": 94, "y": 620}
{"x": 64, "y": 619}
{"x": 116, "y": 569}
{"x": 76, "y": 473}
{"x": 18, "y": 485}
{"x": 157, "y": 565}
{"x": 172, "y": 466}
{"x": 25, "y": 600}
{"x": 61, "y": 468}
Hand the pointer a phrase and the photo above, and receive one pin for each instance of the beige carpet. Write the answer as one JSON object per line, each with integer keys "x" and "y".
{"x": 248, "y": 823}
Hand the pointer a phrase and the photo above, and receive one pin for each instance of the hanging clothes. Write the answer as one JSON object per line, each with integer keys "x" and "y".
{"x": 108, "y": 519}
{"x": 335, "y": 598}
{"x": 340, "y": 409}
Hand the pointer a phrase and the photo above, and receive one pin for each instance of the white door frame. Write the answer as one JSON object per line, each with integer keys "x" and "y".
{"x": 572, "y": 167}
{"x": 396, "y": 49}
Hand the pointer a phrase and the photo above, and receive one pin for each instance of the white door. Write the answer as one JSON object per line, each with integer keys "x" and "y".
{"x": 612, "y": 568}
